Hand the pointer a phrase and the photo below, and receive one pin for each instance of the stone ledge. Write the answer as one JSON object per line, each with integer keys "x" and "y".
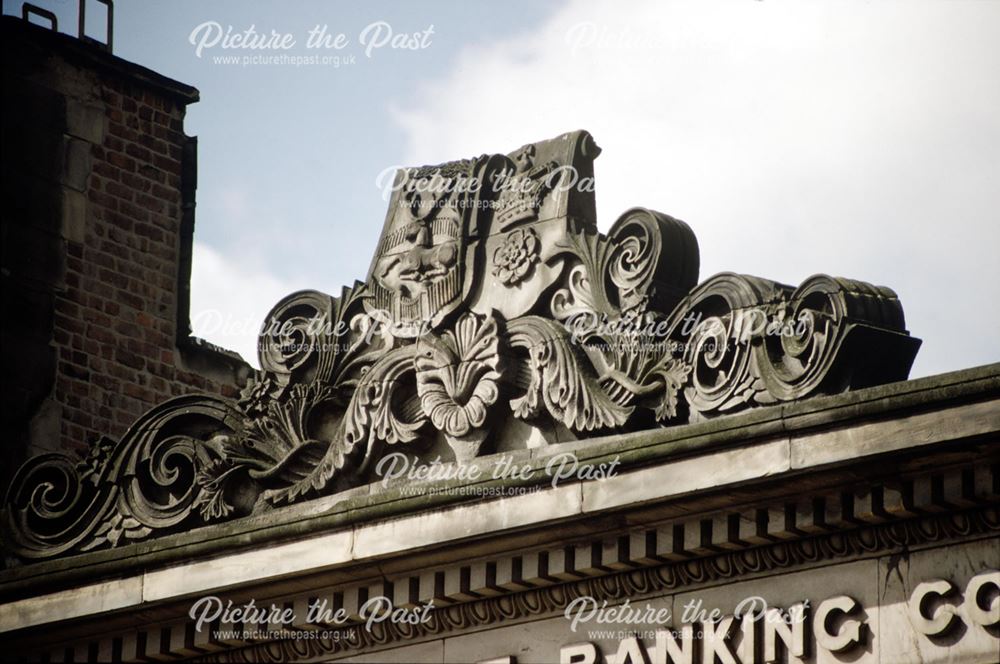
{"x": 605, "y": 557}
{"x": 767, "y": 429}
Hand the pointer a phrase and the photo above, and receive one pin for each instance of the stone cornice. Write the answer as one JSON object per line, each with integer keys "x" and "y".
{"x": 617, "y": 586}
{"x": 945, "y": 413}
{"x": 947, "y": 506}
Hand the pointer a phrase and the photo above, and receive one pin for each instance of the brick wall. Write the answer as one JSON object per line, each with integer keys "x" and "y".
{"x": 98, "y": 191}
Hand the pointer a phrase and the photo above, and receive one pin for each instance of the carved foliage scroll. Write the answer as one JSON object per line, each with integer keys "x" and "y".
{"x": 121, "y": 491}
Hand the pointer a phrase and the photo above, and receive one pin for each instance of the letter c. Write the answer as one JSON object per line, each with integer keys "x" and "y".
{"x": 944, "y": 616}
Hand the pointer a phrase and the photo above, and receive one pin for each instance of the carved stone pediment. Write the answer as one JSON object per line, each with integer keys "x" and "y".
{"x": 494, "y": 316}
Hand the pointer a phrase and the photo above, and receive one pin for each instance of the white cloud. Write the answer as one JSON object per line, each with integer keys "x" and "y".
{"x": 857, "y": 139}
{"x": 229, "y": 300}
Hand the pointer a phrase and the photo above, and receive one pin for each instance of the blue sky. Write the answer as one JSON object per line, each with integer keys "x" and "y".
{"x": 860, "y": 139}
{"x": 287, "y": 154}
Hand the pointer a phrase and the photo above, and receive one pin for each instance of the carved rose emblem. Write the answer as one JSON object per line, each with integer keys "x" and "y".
{"x": 513, "y": 260}
{"x": 457, "y": 376}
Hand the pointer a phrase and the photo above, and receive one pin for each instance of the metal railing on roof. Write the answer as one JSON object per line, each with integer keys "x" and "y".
{"x": 28, "y": 10}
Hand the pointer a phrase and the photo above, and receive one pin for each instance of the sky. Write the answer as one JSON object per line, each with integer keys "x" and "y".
{"x": 858, "y": 139}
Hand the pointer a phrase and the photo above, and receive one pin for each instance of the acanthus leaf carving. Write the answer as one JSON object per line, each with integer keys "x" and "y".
{"x": 213, "y": 480}
{"x": 562, "y": 381}
{"x": 457, "y": 374}
{"x": 636, "y": 367}
{"x": 383, "y": 410}
{"x": 647, "y": 261}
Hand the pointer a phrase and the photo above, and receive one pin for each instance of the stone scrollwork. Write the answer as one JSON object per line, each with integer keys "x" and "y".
{"x": 562, "y": 383}
{"x": 647, "y": 261}
{"x": 824, "y": 321}
{"x": 635, "y": 367}
{"x": 750, "y": 341}
{"x": 487, "y": 310}
{"x": 715, "y": 326}
{"x": 123, "y": 491}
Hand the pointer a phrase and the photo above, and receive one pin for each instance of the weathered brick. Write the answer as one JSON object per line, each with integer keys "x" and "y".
{"x": 152, "y": 232}
{"x": 102, "y": 259}
{"x": 121, "y": 191}
{"x": 114, "y": 278}
{"x": 101, "y": 334}
{"x": 131, "y": 300}
{"x": 76, "y": 371}
{"x": 111, "y": 98}
{"x": 136, "y": 182}
{"x": 166, "y": 253}
{"x": 133, "y": 211}
{"x": 138, "y": 152}
{"x": 67, "y": 323}
{"x": 128, "y": 329}
{"x": 103, "y": 199}
{"x": 124, "y": 418}
{"x": 121, "y": 161}
{"x": 78, "y": 417}
{"x": 154, "y": 205}
{"x": 105, "y": 170}
{"x": 130, "y": 359}
{"x": 112, "y": 313}
{"x": 151, "y": 172}
{"x": 138, "y": 392}
{"x": 120, "y": 220}
{"x": 170, "y": 166}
